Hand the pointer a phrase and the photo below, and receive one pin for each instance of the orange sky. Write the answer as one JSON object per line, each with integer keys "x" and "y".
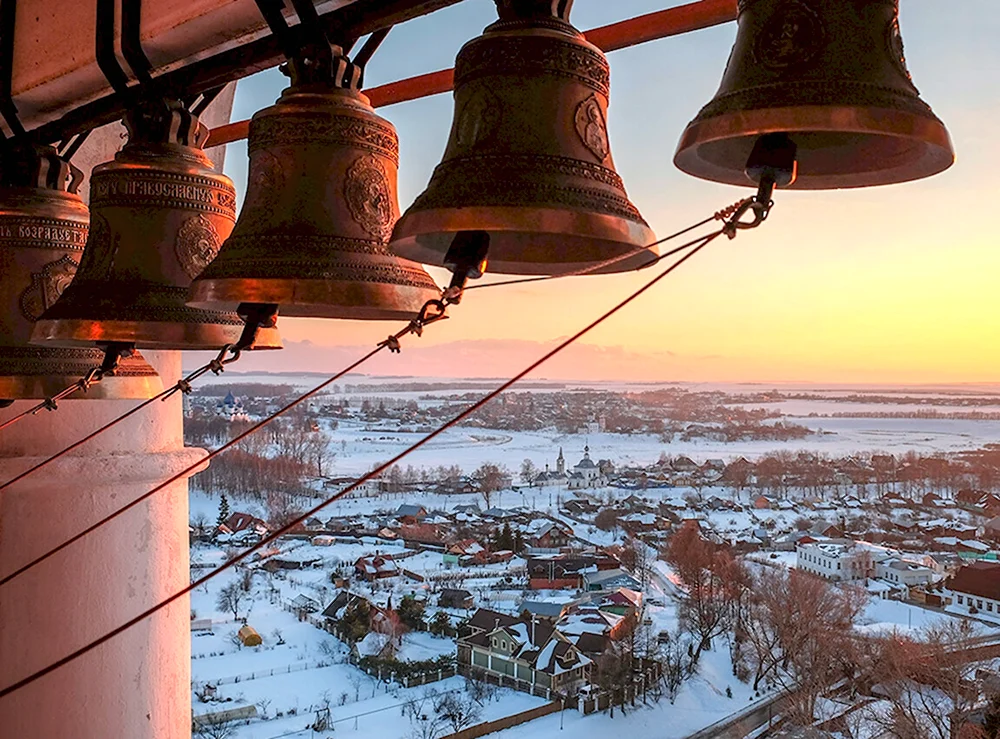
{"x": 892, "y": 284}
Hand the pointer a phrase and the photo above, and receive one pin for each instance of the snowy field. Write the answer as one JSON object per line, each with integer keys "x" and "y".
{"x": 359, "y": 447}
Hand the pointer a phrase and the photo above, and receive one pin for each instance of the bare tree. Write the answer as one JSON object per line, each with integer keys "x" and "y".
{"x": 528, "y": 471}
{"x": 231, "y": 598}
{"x": 425, "y": 722}
{"x": 491, "y": 478}
{"x": 214, "y": 728}
{"x": 675, "y": 660}
{"x": 458, "y": 710}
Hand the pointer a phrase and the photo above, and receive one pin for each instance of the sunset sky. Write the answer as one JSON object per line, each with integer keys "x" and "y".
{"x": 891, "y": 284}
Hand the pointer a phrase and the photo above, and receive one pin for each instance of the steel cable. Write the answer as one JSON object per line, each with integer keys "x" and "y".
{"x": 184, "y": 385}
{"x": 233, "y": 561}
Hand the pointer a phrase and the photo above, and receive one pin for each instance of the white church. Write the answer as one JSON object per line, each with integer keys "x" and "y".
{"x": 585, "y": 474}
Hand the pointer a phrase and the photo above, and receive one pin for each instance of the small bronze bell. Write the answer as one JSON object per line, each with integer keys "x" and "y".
{"x": 831, "y": 75}
{"x": 528, "y": 159}
{"x": 159, "y": 213}
{"x": 321, "y": 203}
{"x": 43, "y": 227}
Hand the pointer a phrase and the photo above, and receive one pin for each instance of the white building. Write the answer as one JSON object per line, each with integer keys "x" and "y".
{"x": 901, "y": 572}
{"x": 838, "y": 560}
{"x": 585, "y": 473}
{"x": 843, "y": 560}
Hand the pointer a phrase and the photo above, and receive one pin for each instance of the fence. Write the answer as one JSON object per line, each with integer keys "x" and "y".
{"x": 288, "y": 669}
{"x": 489, "y": 727}
{"x": 409, "y": 680}
{"x": 505, "y": 681}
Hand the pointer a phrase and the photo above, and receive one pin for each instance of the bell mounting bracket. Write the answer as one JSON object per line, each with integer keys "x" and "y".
{"x": 26, "y": 165}
{"x": 523, "y": 10}
{"x": 772, "y": 163}
{"x": 466, "y": 258}
{"x": 314, "y": 58}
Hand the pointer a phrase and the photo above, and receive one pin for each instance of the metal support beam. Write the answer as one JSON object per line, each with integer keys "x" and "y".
{"x": 356, "y": 19}
{"x": 638, "y": 30}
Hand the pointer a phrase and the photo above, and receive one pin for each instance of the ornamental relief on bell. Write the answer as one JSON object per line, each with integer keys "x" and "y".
{"x": 98, "y": 259}
{"x": 592, "y": 128}
{"x": 197, "y": 245}
{"x": 479, "y": 118}
{"x": 791, "y": 37}
{"x": 46, "y": 287}
{"x": 369, "y": 197}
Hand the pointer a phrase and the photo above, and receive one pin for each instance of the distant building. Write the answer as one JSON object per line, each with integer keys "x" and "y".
{"x": 838, "y": 561}
{"x": 553, "y": 535}
{"x": 586, "y": 474}
{"x": 375, "y": 567}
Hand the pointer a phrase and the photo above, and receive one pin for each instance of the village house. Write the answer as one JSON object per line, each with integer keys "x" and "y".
{"x": 462, "y": 553}
{"x": 375, "y": 567}
{"x": 530, "y": 651}
{"x": 976, "y": 588}
{"x": 455, "y": 598}
{"x": 242, "y": 526}
{"x": 552, "y": 535}
{"x": 606, "y": 580}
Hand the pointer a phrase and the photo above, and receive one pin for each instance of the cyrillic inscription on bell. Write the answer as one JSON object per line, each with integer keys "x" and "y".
{"x": 321, "y": 204}
{"x": 43, "y": 229}
{"x": 529, "y": 158}
{"x": 159, "y": 213}
{"x": 832, "y": 75}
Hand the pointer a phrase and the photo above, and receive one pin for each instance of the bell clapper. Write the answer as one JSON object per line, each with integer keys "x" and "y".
{"x": 255, "y": 317}
{"x": 467, "y": 259}
{"x": 772, "y": 163}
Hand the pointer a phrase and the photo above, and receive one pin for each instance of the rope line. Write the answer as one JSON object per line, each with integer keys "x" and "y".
{"x": 182, "y": 385}
{"x": 717, "y": 216}
{"x": 233, "y": 561}
{"x": 187, "y": 470}
{"x": 48, "y": 403}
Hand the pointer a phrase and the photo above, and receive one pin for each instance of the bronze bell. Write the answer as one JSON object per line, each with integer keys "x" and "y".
{"x": 528, "y": 160}
{"x": 43, "y": 227}
{"x": 320, "y": 205}
{"x": 832, "y": 76}
{"x": 159, "y": 213}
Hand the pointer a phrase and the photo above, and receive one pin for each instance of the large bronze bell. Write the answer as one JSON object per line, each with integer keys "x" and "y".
{"x": 159, "y": 213}
{"x": 43, "y": 227}
{"x": 321, "y": 203}
{"x": 528, "y": 160}
{"x": 831, "y": 75}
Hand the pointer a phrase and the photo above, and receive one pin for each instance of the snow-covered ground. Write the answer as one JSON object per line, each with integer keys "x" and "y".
{"x": 359, "y": 447}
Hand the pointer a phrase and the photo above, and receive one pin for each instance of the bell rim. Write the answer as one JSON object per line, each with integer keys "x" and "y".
{"x": 938, "y": 156}
{"x": 111, "y": 387}
{"x": 305, "y": 298}
{"x": 153, "y": 335}
{"x": 442, "y": 223}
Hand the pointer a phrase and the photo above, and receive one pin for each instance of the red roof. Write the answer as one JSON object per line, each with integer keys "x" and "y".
{"x": 981, "y": 579}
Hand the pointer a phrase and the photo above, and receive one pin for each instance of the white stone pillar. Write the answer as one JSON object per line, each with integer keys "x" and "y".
{"x": 138, "y": 684}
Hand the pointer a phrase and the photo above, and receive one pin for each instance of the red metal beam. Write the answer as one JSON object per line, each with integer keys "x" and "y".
{"x": 631, "y": 32}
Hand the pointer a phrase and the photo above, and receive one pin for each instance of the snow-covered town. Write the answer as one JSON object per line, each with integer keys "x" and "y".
{"x": 581, "y": 575}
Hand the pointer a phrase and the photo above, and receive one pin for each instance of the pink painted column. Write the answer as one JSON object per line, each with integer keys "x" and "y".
{"x": 138, "y": 685}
